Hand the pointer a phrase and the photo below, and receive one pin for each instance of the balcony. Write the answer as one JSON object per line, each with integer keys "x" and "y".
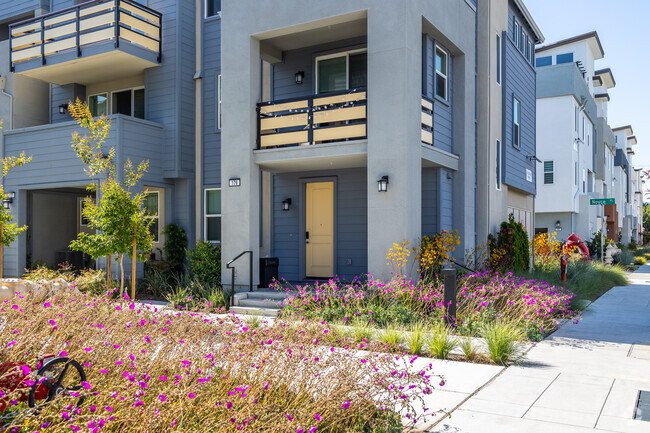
{"x": 92, "y": 42}
{"x": 336, "y": 117}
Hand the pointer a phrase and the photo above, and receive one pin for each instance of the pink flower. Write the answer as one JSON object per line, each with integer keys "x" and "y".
{"x": 346, "y": 405}
{"x": 290, "y": 417}
{"x": 162, "y": 398}
{"x": 191, "y": 395}
{"x": 318, "y": 418}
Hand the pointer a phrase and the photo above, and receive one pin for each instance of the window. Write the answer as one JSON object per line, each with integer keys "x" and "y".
{"x": 151, "y": 208}
{"x": 584, "y": 127}
{"x": 521, "y": 39}
{"x": 577, "y": 121}
{"x": 129, "y": 102}
{"x": 564, "y": 58}
{"x": 212, "y": 7}
{"x": 584, "y": 180}
{"x": 515, "y": 34}
{"x": 549, "y": 167}
{"x": 575, "y": 173}
{"x": 212, "y": 220}
{"x": 516, "y": 115}
{"x": 498, "y": 164}
{"x": 441, "y": 73}
{"x": 83, "y": 221}
{"x": 544, "y": 61}
{"x": 498, "y": 59}
{"x": 527, "y": 48}
{"x": 219, "y": 102}
{"x": 98, "y": 104}
{"x": 530, "y": 51}
{"x": 341, "y": 71}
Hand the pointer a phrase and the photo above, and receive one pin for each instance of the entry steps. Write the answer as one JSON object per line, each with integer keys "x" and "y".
{"x": 266, "y": 303}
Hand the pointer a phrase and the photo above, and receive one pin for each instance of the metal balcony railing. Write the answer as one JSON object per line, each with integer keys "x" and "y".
{"x": 332, "y": 117}
{"x": 85, "y": 24}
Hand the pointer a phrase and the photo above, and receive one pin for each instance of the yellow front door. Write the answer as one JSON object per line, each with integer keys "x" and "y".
{"x": 319, "y": 226}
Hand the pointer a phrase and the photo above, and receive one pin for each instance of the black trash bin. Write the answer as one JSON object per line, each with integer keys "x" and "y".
{"x": 268, "y": 271}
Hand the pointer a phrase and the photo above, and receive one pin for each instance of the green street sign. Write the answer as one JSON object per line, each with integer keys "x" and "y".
{"x": 601, "y": 201}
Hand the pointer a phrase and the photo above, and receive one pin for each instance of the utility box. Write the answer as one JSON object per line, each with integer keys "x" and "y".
{"x": 268, "y": 271}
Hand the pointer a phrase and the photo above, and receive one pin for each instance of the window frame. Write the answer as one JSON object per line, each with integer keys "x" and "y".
{"x": 499, "y": 165}
{"x": 98, "y": 94}
{"x": 498, "y": 56}
{"x": 81, "y": 217}
{"x": 205, "y": 7}
{"x": 157, "y": 215}
{"x": 516, "y": 111}
{"x": 552, "y": 172}
{"x": 206, "y": 215}
{"x": 436, "y": 72}
{"x": 515, "y": 34}
{"x": 345, "y": 54}
{"x": 530, "y": 51}
{"x": 132, "y": 89}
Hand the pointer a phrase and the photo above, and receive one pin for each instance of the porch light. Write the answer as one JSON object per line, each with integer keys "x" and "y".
{"x": 8, "y": 199}
{"x": 286, "y": 203}
{"x": 63, "y": 108}
{"x": 300, "y": 75}
{"x": 383, "y": 184}
{"x": 558, "y": 226}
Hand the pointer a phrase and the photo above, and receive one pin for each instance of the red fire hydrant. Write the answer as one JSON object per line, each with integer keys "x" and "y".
{"x": 563, "y": 268}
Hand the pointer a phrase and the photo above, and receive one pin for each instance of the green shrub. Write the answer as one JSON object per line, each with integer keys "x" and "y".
{"x": 361, "y": 332}
{"x": 512, "y": 242}
{"x": 503, "y": 341}
{"x": 416, "y": 339}
{"x": 205, "y": 263}
{"x": 391, "y": 338}
{"x": 441, "y": 343}
{"x": 632, "y": 245}
{"x": 469, "y": 350}
{"x": 175, "y": 246}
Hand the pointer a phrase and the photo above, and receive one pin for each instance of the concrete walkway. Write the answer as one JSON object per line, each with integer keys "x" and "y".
{"x": 585, "y": 377}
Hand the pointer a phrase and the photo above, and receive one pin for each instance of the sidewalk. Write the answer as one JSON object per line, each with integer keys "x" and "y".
{"x": 585, "y": 377}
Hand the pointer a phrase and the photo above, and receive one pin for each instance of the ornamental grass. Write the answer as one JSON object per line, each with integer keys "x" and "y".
{"x": 152, "y": 370}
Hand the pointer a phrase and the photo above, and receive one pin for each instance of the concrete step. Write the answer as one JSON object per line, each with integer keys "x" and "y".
{"x": 252, "y": 311}
{"x": 258, "y": 303}
{"x": 280, "y": 296}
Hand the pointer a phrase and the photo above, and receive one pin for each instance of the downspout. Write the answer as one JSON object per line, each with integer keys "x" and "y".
{"x": 198, "y": 122}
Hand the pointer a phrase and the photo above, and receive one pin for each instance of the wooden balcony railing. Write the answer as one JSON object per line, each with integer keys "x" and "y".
{"x": 333, "y": 117}
{"x": 87, "y": 23}
{"x": 427, "y": 120}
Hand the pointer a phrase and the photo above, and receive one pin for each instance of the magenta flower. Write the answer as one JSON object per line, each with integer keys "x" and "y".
{"x": 290, "y": 417}
{"x": 346, "y": 405}
{"x": 318, "y": 418}
{"x": 162, "y": 398}
{"x": 191, "y": 395}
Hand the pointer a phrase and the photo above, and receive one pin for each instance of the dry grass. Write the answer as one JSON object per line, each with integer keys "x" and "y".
{"x": 154, "y": 370}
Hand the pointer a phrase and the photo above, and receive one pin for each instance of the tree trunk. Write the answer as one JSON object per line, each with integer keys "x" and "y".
{"x": 2, "y": 250}
{"x": 121, "y": 275}
{"x": 109, "y": 276}
{"x": 133, "y": 263}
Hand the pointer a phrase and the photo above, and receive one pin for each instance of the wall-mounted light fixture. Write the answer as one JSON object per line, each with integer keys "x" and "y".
{"x": 63, "y": 108}
{"x": 8, "y": 199}
{"x": 300, "y": 76}
{"x": 382, "y": 184}
{"x": 286, "y": 204}
{"x": 558, "y": 226}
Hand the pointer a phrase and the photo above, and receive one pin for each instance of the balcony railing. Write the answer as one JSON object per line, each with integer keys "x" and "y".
{"x": 334, "y": 117}
{"x": 88, "y": 23}
{"x": 427, "y": 120}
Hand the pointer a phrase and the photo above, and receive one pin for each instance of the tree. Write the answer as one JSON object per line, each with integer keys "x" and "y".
{"x": 118, "y": 216}
{"x": 9, "y": 230}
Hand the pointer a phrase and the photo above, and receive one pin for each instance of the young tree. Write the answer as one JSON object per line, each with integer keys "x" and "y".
{"x": 118, "y": 216}
{"x": 9, "y": 230}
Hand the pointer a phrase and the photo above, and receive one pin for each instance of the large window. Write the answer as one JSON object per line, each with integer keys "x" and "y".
{"x": 549, "y": 167}
{"x": 442, "y": 64}
{"x": 212, "y": 220}
{"x": 153, "y": 211}
{"x": 98, "y": 104}
{"x": 498, "y": 59}
{"x": 516, "y": 128}
{"x": 498, "y": 164}
{"x": 342, "y": 71}
{"x": 129, "y": 102}
{"x": 212, "y": 7}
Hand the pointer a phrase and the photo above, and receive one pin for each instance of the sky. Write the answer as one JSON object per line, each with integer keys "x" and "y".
{"x": 622, "y": 27}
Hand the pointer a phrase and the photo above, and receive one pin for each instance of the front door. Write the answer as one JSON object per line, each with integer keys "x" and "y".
{"x": 319, "y": 226}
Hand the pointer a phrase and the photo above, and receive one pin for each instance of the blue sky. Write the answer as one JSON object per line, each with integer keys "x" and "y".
{"x": 622, "y": 26}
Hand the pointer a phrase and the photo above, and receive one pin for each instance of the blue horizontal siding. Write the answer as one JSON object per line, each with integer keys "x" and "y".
{"x": 442, "y": 111}
{"x": 430, "y": 201}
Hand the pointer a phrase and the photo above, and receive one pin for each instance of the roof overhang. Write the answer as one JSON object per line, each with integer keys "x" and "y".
{"x": 606, "y": 77}
{"x": 632, "y": 139}
{"x": 592, "y": 40}
{"x": 539, "y": 37}
{"x": 601, "y": 97}
{"x": 626, "y": 128}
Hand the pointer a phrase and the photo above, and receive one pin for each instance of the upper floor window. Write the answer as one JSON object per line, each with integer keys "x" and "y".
{"x": 544, "y": 61}
{"x": 212, "y": 7}
{"x": 341, "y": 71}
{"x": 516, "y": 116}
{"x": 98, "y": 104}
{"x": 527, "y": 48}
{"x": 498, "y": 59}
{"x": 530, "y": 51}
{"x": 442, "y": 63}
{"x": 584, "y": 128}
{"x": 515, "y": 34}
{"x": 129, "y": 102}
{"x": 498, "y": 164}
{"x": 549, "y": 167}
{"x": 564, "y": 58}
{"x": 577, "y": 119}
{"x": 521, "y": 39}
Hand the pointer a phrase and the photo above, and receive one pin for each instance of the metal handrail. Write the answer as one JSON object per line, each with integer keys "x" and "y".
{"x": 232, "y": 278}
{"x": 462, "y": 266}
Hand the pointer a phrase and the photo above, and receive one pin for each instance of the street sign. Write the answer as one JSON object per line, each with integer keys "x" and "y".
{"x": 601, "y": 201}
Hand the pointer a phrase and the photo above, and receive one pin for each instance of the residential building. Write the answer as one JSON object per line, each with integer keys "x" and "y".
{"x": 356, "y": 132}
{"x": 131, "y": 61}
{"x": 506, "y": 130}
{"x": 567, "y": 118}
